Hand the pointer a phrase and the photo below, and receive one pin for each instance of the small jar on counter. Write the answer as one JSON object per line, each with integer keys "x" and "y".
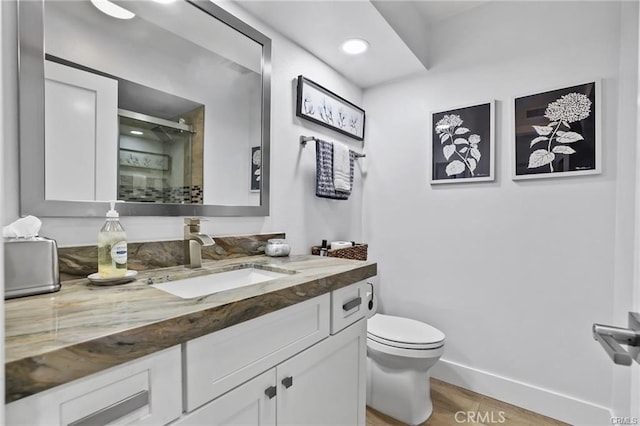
{"x": 277, "y": 247}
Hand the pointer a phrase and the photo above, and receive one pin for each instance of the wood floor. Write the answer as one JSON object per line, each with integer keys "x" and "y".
{"x": 453, "y": 405}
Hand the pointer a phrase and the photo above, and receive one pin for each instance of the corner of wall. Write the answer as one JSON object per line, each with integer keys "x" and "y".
{"x": 626, "y": 250}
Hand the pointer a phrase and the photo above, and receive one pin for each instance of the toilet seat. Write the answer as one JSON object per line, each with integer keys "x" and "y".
{"x": 403, "y": 333}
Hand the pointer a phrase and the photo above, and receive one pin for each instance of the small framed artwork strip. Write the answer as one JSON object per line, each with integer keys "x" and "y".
{"x": 556, "y": 133}
{"x": 323, "y": 107}
{"x": 463, "y": 144}
{"x": 143, "y": 159}
{"x": 256, "y": 169}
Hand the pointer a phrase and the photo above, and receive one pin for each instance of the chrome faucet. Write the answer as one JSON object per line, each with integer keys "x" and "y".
{"x": 193, "y": 243}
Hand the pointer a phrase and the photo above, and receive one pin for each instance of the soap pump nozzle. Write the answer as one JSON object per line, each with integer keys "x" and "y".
{"x": 113, "y": 212}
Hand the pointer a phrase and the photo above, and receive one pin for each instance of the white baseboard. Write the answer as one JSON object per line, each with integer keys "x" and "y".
{"x": 542, "y": 401}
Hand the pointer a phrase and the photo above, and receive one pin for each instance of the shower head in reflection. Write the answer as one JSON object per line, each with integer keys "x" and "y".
{"x": 162, "y": 134}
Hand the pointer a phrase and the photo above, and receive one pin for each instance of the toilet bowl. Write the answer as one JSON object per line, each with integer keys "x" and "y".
{"x": 400, "y": 354}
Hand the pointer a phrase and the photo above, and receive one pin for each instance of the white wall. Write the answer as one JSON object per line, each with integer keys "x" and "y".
{"x": 227, "y": 166}
{"x": 294, "y": 207}
{"x": 514, "y": 273}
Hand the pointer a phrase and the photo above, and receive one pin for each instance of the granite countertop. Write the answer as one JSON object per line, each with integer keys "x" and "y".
{"x": 55, "y": 338}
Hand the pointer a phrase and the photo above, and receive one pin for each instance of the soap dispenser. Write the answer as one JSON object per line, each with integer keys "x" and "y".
{"x": 112, "y": 247}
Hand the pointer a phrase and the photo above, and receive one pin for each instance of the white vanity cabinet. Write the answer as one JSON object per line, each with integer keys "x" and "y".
{"x": 220, "y": 361}
{"x": 307, "y": 383}
{"x": 323, "y": 385}
{"x": 146, "y": 391}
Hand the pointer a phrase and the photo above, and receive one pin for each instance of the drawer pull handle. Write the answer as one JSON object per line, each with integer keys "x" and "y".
{"x": 352, "y": 304}
{"x": 287, "y": 382}
{"x": 271, "y": 392}
{"x": 115, "y": 411}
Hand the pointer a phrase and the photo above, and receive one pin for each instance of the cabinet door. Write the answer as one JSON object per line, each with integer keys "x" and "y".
{"x": 221, "y": 361}
{"x": 253, "y": 403}
{"x": 325, "y": 385}
{"x": 81, "y": 134}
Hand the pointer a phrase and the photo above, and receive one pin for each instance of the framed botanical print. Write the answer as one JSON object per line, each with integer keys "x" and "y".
{"x": 463, "y": 144}
{"x": 556, "y": 133}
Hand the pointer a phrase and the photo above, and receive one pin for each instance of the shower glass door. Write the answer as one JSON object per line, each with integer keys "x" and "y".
{"x": 155, "y": 160}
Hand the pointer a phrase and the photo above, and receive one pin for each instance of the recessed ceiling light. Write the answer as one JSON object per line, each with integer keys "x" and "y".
{"x": 164, "y": 1}
{"x": 355, "y": 46}
{"x": 112, "y": 9}
{"x": 136, "y": 132}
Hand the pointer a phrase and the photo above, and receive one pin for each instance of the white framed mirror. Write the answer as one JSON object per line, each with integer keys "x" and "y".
{"x": 168, "y": 110}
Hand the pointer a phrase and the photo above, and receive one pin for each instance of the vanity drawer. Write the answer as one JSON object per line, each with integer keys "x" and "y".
{"x": 225, "y": 359}
{"x": 348, "y": 305}
{"x": 147, "y": 391}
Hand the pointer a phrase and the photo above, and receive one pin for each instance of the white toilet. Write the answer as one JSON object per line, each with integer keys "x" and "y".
{"x": 400, "y": 354}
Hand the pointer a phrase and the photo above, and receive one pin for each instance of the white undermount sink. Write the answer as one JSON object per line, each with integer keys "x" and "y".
{"x": 203, "y": 285}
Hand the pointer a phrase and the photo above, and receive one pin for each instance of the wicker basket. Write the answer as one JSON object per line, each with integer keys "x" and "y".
{"x": 357, "y": 252}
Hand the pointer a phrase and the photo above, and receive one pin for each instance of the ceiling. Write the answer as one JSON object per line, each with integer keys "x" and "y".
{"x": 397, "y": 31}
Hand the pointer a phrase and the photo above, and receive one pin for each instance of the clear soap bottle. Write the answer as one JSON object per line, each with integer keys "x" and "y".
{"x": 112, "y": 247}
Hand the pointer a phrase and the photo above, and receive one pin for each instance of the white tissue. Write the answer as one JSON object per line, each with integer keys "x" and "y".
{"x": 25, "y": 227}
{"x": 340, "y": 244}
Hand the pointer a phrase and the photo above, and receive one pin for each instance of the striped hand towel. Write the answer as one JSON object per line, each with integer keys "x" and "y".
{"x": 324, "y": 172}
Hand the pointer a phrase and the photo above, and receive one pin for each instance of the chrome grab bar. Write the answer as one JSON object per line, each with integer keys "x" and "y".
{"x": 611, "y": 337}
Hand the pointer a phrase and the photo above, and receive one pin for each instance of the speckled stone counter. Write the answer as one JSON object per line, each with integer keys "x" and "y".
{"x": 55, "y": 338}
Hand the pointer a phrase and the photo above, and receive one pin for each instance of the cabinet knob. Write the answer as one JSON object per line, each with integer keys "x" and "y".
{"x": 270, "y": 391}
{"x": 287, "y": 382}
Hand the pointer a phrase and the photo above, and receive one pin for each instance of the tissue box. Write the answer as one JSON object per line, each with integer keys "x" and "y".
{"x": 30, "y": 266}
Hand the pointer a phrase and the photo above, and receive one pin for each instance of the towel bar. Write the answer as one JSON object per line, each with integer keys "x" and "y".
{"x": 305, "y": 139}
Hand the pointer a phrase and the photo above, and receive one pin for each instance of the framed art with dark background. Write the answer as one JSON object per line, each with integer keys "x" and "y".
{"x": 463, "y": 144}
{"x": 556, "y": 132}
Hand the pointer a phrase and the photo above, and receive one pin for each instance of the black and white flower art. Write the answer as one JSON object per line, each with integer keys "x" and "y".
{"x": 462, "y": 144}
{"x": 556, "y": 133}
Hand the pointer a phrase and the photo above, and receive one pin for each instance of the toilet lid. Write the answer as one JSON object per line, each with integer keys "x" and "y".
{"x": 403, "y": 332}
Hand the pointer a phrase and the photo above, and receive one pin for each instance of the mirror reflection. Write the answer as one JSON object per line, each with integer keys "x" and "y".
{"x": 156, "y": 161}
{"x": 165, "y": 106}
